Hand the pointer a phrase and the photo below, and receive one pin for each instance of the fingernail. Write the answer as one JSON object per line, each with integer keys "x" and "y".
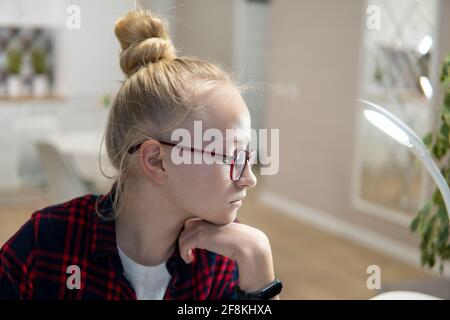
{"x": 190, "y": 255}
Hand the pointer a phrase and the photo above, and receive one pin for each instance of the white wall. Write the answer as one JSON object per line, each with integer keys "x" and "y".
{"x": 89, "y": 57}
{"x": 87, "y": 66}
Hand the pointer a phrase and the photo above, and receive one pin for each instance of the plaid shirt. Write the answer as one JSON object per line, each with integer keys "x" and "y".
{"x": 34, "y": 262}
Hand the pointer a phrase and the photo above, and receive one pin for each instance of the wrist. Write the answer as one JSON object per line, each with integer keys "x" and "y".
{"x": 255, "y": 269}
{"x": 270, "y": 291}
{"x": 257, "y": 250}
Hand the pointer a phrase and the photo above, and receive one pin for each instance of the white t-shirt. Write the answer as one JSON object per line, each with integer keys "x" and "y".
{"x": 149, "y": 282}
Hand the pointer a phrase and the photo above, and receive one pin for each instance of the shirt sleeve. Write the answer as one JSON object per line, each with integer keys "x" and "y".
{"x": 233, "y": 284}
{"x": 16, "y": 260}
{"x": 229, "y": 281}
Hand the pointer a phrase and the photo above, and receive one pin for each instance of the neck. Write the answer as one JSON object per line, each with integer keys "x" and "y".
{"x": 148, "y": 225}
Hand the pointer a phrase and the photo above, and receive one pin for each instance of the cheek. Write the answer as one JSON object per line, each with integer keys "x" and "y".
{"x": 199, "y": 187}
{"x": 211, "y": 182}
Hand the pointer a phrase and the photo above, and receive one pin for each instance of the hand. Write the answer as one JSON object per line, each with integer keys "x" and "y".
{"x": 231, "y": 240}
{"x": 248, "y": 246}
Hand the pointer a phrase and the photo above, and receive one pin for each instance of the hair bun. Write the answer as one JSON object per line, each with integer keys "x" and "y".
{"x": 143, "y": 39}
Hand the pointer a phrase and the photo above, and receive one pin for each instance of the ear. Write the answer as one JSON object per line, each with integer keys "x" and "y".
{"x": 151, "y": 156}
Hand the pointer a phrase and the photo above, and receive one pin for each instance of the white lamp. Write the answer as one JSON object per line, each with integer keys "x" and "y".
{"x": 399, "y": 131}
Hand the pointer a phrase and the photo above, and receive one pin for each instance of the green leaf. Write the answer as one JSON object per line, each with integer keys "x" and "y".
{"x": 427, "y": 140}
{"x": 446, "y": 85}
{"x": 427, "y": 230}
{"x": 39, "y": 61}
{"x": 432, "y": 220}
{"x": 447, "y": 100}
{"x": 444, "y": 130}
{"x": 14, "y": 59}
{"x": 444, "y": 71}
{"x": 415, "y": 223}
{"x": 441, "y": 146}
{"x": 443, "y": 236}
{"x": 443, "y": 216}
{"x": 446, "y": 253}
{"x": 420, "y": 215}
{"x": 423, "y": 257}
{"x": 431, "y": 260}
{"x": 445, "y": 114}
{"x": 437, "y": 198}
{"x": 446, "y": 174}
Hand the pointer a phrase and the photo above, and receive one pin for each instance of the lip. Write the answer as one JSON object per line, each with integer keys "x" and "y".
{"x": 236, "y": 203}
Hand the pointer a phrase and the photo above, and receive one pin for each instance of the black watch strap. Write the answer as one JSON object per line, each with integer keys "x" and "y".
{"x": 268, "y": 291}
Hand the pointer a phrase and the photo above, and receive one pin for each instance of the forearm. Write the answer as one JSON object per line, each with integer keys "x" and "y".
{"x": 255, "y": 268}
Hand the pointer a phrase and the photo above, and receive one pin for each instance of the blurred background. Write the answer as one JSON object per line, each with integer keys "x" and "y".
{"x": 345, "y": 194}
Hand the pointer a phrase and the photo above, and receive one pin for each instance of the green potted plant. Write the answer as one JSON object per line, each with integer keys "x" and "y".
{"x": 40, "y": 79}
{"x": 432, "y": 222}
{"x": 14, "y": 65}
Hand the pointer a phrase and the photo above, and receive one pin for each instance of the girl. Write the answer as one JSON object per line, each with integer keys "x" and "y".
{"x": 165, "y": 230}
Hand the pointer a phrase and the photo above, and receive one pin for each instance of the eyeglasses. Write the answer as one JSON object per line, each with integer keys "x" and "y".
{"x": 238, "y": 161}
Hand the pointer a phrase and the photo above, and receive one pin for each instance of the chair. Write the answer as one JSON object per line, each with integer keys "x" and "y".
{"x": 63, "y": 182}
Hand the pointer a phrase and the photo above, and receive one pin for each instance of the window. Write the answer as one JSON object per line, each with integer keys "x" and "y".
{"x": 396, "y": 74}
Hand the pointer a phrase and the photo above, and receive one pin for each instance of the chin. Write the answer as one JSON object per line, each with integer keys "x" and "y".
{"x": 226, "y": 218}
{"x": 231, "y": 216}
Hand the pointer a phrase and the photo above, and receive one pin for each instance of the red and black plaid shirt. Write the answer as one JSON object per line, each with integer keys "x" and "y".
{"x": 34, "y": 262}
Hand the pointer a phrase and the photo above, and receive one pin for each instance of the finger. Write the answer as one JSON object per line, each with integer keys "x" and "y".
{"x": 191, "y": 223}
{"x": 190, "y": 227}
{"x": 187, "y": 254}
{"x": 187, "y": 242}
{"x": 186, "y": 246}
{"x": 191, "y": 255}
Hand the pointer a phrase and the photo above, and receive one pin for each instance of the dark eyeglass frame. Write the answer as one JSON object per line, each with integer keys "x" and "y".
{"x": 231, "y": 160}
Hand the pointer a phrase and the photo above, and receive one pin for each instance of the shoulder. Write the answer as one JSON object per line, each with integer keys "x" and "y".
{"x": 47, "y": 234}
{"x": 48, "y": 227}
{"x": 79, "y": 207}
{"x": 55, "y": 225}
{"x": 78, "y": 210}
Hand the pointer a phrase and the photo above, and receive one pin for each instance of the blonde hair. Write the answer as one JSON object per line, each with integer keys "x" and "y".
{"x": 160, "y": 91}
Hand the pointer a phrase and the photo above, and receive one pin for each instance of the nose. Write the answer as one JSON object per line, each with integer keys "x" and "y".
{"x": 248, "y": 179}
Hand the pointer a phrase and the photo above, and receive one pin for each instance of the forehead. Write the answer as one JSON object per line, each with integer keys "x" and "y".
{"x": 227, "y": 112}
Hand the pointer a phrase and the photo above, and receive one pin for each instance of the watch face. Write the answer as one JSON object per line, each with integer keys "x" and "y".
{"x": 271, "y": 290}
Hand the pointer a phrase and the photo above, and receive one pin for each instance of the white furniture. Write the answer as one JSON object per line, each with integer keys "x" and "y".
{"x": 9, "y": 173}
{"x": 404, "y": 295}
{"x": 25, "y": 122}
{"x": 22, "y": 123}
{"x": 64, "y": 183}
{"x": 79, "y": 151}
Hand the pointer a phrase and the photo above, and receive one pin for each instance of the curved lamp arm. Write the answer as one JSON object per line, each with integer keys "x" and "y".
{"x": 399, "y": 131}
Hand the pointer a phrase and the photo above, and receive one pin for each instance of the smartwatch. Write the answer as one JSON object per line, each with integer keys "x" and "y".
{"x": 268, "y": 291}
